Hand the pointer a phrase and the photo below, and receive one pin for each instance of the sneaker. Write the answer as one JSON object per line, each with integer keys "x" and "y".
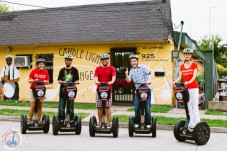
{"x": 31, "y": 122}
{"x": 40, "y": 122}
{"x": 136, "y": 126}
{"x": 148, "y": 126}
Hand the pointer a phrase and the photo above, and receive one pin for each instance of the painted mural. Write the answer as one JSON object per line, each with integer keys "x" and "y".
{"x": 86, "y": 58}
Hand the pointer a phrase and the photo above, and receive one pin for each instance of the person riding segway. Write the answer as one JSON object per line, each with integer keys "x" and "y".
{"x": 105, "y": 76}
{"x": 38, "y": 78}
{"x": 141, "y": 76}
{"x": 68, "y": 78}
{"x": 192, "y": 128}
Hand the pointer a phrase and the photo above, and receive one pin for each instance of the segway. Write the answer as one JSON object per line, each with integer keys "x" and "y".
{"x": 143, "y": 93}
{"x": 70, "y": 92}
{"x": 104, "y": 95}
{"x": 201, "y": 131}
{"x": 38, "y": 92}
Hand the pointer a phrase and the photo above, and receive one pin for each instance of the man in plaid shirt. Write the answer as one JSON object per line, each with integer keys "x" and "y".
{"x": 140, "y": 74}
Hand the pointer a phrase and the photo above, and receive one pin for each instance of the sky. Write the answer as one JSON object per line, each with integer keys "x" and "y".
{"x": 201, "y": 17}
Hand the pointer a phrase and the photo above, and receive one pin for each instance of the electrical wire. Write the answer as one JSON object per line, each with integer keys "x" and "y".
{"x": 22, "y": 4}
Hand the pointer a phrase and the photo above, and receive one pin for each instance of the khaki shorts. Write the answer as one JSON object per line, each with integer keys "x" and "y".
{"x": 32, "y": 98}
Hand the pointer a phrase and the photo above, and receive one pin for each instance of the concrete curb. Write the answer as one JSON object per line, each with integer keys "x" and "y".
{"x": 121, "y": 125}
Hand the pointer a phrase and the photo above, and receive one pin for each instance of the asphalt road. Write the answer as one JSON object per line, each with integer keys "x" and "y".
{"x": 165, "y": 141}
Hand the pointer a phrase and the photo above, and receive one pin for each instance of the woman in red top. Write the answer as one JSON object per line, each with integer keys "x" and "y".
{"x": 37, "y": 74}
{"x": 188, "y": 71}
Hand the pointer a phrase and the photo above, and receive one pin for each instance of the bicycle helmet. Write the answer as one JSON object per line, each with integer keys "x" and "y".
{"x": 104, "y": 56}
{"x": 68, "y": 56}
{"x": 188, "y": 50}
{"x": 40, "y": 60}
{"x": 133, "y": 56}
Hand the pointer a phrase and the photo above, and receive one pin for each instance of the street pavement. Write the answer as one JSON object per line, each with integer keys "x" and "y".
{"x": 164, "y": 141}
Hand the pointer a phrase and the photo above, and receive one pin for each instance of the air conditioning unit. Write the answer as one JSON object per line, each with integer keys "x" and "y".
{"x": 22, "y": 61}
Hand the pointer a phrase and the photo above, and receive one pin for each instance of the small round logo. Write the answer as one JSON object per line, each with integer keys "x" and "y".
{"x": 143, "y": 95}
{"x": 71, "y": 94}
{"x": 104, "y": 95}
{"x": 10, "y": 139}
{"x": 179, "y": 96}
{"x": 40, "y": 93}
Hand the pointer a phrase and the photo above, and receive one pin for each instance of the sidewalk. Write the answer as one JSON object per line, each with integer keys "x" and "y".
{"x": 122, "y": 110}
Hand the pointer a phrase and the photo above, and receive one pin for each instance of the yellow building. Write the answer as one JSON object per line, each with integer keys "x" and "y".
{"x": 120, "y": 29}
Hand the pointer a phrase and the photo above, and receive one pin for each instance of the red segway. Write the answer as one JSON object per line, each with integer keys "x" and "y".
{"x": 143, "y": 93}
{"x": 201, "y": 131}
{"x": 104, "y": 95}
{"x": 39, "y": 92}
{"x": 70, "y": 92}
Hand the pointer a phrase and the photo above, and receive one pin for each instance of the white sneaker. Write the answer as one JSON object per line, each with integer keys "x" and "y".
{"x": 148, "y": 126}
{"x": 190, "y": 129}
{"x": 136, "y": 126}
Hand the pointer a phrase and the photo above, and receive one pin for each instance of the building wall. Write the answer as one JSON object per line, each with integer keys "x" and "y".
{"x": 157, "y": 56}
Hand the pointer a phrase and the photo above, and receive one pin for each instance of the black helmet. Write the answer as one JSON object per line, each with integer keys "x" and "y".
{"x": 40, "y": 60}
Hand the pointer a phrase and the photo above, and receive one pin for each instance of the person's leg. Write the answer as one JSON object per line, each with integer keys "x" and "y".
{"x": 61, "y": 109}
{"x": 195, "y": 108}
{"x": 108, "y": 110}
{"x": 137, "y": 110}
{"x": 32, "y": 105}
{"x": 190, "y": 110}
{"x": 40, "y": 110}
{"x": 147, "y": 106}
{"x": 100, "y": 115}
{"x": 70, "y": 109}
{"x": 99, "y": 109}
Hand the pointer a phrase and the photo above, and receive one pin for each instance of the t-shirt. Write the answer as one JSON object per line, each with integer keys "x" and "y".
{"x": 188, "y": 74}
{"x": 11, "y": 71}
{"x": 39, "y": 75}
{"x": 105, "y": 74}
{"x": 68, "y": 75}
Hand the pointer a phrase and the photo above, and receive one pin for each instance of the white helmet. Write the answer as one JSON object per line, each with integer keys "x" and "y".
{"x": 188, "y": 50}
{"x": 104, "y": 56}
{"x": 133, "y": 56}
{"x": 68, "y": 56}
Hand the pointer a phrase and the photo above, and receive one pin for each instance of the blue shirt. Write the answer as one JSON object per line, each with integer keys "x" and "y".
{"x": 140, "y": 74}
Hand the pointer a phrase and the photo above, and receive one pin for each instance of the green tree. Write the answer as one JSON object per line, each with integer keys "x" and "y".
{"x": 4, "y": 8}
{"x": 219, "y": 49}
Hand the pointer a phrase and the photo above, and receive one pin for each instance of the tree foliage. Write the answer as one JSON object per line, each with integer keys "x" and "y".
{"x": 4, "y": 8}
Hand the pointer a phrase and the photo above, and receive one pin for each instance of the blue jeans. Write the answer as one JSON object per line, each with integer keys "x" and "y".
{"x": 61, "y": 109}
{"x": 137, "y": 107}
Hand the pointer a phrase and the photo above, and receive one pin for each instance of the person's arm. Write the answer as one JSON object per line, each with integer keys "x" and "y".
{"x": 60, "y": 77}
{"x": 96, "y": 79}
{"x": 2, "y": 74}
{"x": 76, "y": 77}
{"x": 150, "y": 77}
{"x": 178, "y": 79}
{"x": 127, "y": 78}
{"x": 112, "y": 81}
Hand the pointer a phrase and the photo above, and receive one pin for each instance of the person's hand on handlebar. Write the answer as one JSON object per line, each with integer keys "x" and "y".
{"x": 46, "y": 81}
{"x": 148, "y": 82}
{"x": 61, "y": 82}
{"x": 109, "y": 83}
{"x": 76, "y": 82}
{"x": 97, "y": 83}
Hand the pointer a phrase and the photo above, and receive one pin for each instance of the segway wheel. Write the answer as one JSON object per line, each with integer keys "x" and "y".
{"x": 92, "y": 125}
{"x": 23, "y": 124}
{"x": 115, "y": 126}
{"x": 201, "y": 133}
{"x": 131, "y": 126}
{"x": 46, "y": 123}
{"x": 177, "y": 130}
{"x": 78, "y": 126}
{"x": 153, "y": 128}
{"x": 55, "y": 125}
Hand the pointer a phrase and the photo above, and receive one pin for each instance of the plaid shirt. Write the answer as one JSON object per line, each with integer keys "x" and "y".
{"x": 140, "y": 74}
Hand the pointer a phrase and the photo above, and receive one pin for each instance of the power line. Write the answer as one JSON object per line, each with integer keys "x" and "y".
{"x": 22, "y": 4}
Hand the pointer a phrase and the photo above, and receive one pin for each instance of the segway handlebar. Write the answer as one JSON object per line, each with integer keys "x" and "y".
{"x": 143, "y": 83}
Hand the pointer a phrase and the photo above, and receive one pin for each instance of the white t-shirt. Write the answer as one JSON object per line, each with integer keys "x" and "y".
{"x": 12, "y": 70}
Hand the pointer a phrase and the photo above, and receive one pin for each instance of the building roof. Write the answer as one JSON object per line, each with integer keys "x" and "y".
{"x": 129, "y": 21}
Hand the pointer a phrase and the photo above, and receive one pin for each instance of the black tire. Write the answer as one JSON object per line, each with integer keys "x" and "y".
{"x": 46, "y": 123}
{"x": 78, "y": 126}
{"x": 55, "y": 125}
{"x": 23, "y": 124}
{"x": 153, "y": 128}
{"x": 177, "y": 130}
{"x": 201, "y": 133}
{"x": 131, "y": 126}
{"x": 115, "y": 126}
{"x": 92, "y": 125}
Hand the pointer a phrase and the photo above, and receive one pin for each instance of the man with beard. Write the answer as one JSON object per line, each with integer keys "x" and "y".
{"x": 104, "y": 73}
{"x": 66, "y": 74}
